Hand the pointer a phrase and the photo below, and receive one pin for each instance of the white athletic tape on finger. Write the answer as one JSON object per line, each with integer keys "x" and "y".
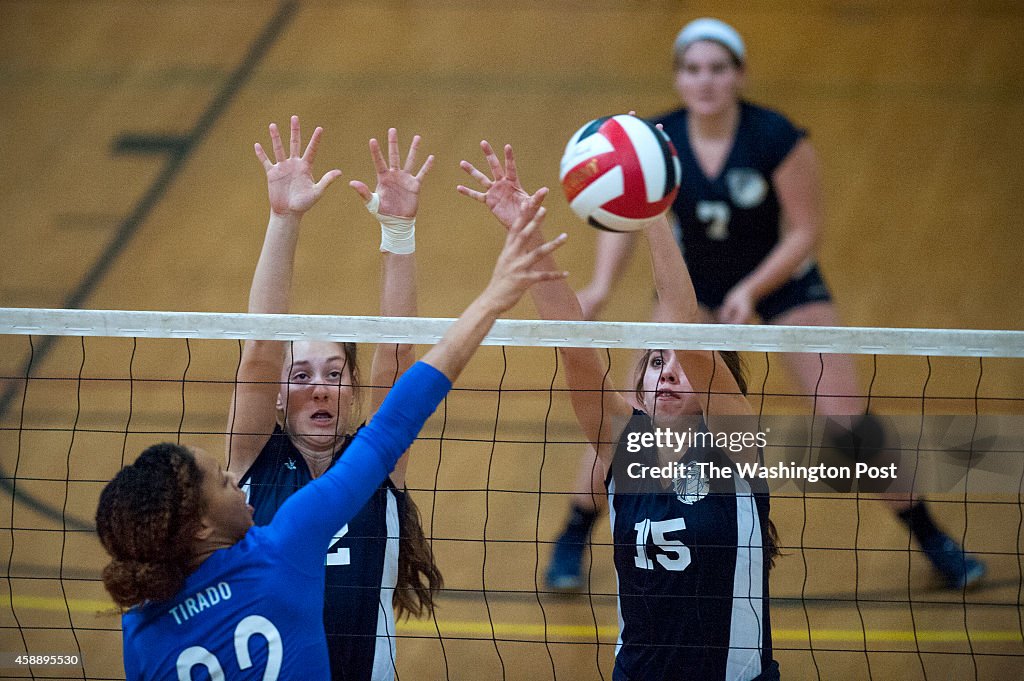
{"x": 397, "y": 234}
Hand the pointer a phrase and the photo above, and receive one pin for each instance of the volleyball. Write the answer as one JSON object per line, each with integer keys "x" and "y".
{"x": 619, "y": 173}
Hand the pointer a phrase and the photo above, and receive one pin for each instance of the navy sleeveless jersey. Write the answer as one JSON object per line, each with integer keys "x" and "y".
{"x": 255, "y": 610}
{"x": 361, "y": 563}
{"x": 728, "y": 224}
{"x": 690, "y": 561}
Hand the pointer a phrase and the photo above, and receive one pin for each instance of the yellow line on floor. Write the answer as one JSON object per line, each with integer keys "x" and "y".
{"x": 582, "y": 632}
{"x": 478, "y": 629}
{"x": 86, "y": 605}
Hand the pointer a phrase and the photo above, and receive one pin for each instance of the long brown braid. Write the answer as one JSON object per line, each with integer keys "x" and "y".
{"x": 419, "y": 578}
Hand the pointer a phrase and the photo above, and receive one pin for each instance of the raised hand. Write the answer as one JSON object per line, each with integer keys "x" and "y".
{"x": 397, "y": 188}
{"x": 515, "y": 270}
{"x": 502, "y": 193}
{"x": 290, "y": 183}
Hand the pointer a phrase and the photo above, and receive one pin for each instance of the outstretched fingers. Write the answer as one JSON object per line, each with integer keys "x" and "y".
{"x": 379, "y": 164}
{"x": 545, "y": 275}
{"x": 471, "y": 193}
{"x": 329, "y": 177}
{"x": 410, "y": 158}
{"x": 309, "y": 156}
{"x": 510, "y": 164}
{"x": 497, "y": 172}
{"x": 275, "y": 143}
{"x": 295, "y": 139}
{"x": 531, "y": 215}
{"x": 364, "y": 192}
{"x": 524, "y": 264}
{"x": 544, "y": 250}
{"x": 427, "y": 165}
{"x": 659, "y": 126}
{"x": 475, "y": 173}
{"x": 262, "y": 156}
{"x": 393, "y": 148}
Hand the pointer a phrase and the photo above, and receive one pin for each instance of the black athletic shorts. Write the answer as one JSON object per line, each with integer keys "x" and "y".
{"x": 810, "y": 288}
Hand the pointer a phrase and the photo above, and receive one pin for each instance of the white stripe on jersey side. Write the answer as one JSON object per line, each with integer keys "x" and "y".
{"x": 648, "y": 151}
{"x": 384, "y": 648}
{"x": 618, "y": 599}
{"x": 247, "y": 488}
{"x": 746, "y": 629}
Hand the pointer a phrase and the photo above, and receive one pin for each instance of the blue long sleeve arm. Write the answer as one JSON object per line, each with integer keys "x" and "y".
{"x": 305, "y": 523}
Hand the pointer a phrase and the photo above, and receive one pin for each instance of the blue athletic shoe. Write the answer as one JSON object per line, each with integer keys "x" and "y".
{"x": 565, "y": 571}
{"x": 959, "y": 569}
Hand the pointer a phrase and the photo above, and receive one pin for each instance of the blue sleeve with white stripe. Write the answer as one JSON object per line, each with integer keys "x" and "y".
{"x": 305, "y": 523}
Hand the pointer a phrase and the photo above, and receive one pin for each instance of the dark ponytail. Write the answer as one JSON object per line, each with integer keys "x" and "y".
{"x": 147, "y": 518}
{"x": 419, "y": 578}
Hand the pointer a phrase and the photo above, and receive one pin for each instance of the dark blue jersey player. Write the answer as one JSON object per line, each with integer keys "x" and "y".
{"x": 728, "y": 223}
{"x": 692, "y": 556}
{"x": 361, "y": 563}
{"x": 204, "y": 588}
{"x": 295, "y": 406}
{"x": 691, "y": 565}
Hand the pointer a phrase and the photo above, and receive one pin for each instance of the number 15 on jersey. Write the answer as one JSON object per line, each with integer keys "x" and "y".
{"x": 672, "y": 554}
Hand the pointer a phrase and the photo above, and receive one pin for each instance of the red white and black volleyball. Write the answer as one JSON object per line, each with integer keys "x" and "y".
{"x": 619, "y": 173}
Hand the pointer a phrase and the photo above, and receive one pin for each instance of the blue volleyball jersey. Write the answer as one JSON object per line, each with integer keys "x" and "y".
{"x": 728, "y": 224}
{"x": 255, "y": 610}
{"x": 361, "y": 562}
{"x": 690, "y": 562}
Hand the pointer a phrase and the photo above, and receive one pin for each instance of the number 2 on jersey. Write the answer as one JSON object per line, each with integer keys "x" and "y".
{"x": 715, "y": 216}
{"x": 673, "y": 555}
{"x": 337, "y": 555}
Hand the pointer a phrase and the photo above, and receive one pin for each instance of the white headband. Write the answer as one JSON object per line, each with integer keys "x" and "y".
{"x": 711, "y": 29}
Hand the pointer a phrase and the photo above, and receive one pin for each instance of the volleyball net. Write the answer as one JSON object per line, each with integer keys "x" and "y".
{"x": 83, "y": 392}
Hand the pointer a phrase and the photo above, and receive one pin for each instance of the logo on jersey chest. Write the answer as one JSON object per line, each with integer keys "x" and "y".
{"x": 290, "y": 464}
{"x": 690, "y": 485}
{"x": 747, "y": 187}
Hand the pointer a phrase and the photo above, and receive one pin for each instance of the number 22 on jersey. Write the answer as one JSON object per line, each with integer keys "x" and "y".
{"x": 246, "y": 629}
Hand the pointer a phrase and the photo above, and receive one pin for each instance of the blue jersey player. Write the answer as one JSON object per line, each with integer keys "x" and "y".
{"x": 691, "y": 556}
{"x": 206, "y": 589}
{"x": 748, "y": 220}
{"x": 296, "y": 406}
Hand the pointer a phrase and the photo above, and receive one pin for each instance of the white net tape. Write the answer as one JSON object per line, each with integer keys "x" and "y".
{"x": 427, "y": 331}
